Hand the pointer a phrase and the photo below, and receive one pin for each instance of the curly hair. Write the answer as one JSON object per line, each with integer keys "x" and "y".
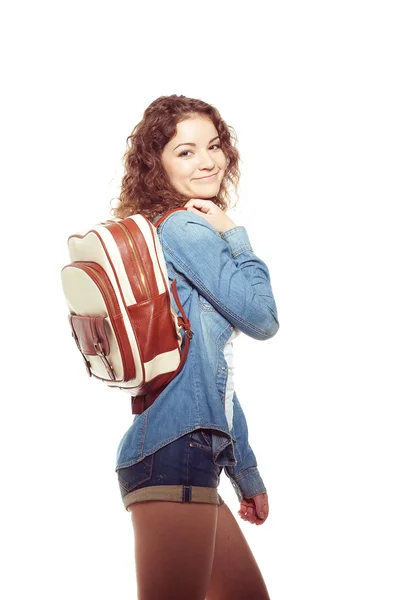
{"x": 146, "y": 188}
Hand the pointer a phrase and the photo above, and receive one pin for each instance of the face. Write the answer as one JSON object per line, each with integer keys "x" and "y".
{"x": 193, "y": 159}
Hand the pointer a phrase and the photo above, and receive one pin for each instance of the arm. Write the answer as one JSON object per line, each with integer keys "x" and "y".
{"x": 244, "y": 477}
{"x": 224, "y": 269}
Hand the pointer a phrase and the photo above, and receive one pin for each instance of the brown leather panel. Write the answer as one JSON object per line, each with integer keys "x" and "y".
{"x": 89, "y": 331}
{"x": 153, "y": 326}
{"x": 131, "y": 268}
{"x": 144, "y": 254}
{"x": 119, "y": 328}
{"x": 140, "y": 403}
{"x": 101, "y": 332}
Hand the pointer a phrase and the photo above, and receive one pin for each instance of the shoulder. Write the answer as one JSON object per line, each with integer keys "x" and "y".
{"x": 184, "y": 224}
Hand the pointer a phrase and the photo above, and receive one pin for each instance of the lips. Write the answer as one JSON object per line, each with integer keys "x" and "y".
{"x": 206, "y": 177}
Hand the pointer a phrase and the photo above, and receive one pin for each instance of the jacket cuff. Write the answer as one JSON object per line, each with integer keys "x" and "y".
{"x": 237, "y": 239}
{"x": 247, "y": 483}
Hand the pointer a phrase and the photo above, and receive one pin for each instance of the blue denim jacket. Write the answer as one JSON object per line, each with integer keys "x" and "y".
{"x": 222, "y": 285}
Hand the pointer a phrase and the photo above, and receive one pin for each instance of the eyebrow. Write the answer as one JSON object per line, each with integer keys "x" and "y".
{"x": 192, "y": 144}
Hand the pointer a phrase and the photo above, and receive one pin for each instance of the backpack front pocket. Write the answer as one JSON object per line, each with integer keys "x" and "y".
{"x": 96, "y": 321}
{"x": 91, "y": 338}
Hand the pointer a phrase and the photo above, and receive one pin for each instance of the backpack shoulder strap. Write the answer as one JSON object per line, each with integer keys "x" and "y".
{"x": 161, "y": 219}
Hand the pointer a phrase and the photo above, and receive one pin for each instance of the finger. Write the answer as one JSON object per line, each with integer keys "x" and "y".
{"x": 243, "y": 513}
{"x": 195, "y": 202}
{"x": 244, "y": 506}
{"x": 202, "y": 205}
{"x": 262, "y": 511}
{"x": 257, "y": 520}
{"x": 251, "y": 513}
{"x": 196, "y": 211}
{"x": 261, "y": 505}
{"x": 254, "y": 520}
{"x": 248, "y": 514}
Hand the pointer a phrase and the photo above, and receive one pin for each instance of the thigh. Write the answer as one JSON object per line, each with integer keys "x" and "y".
{"x": 235, "y": 574}
{"x": 174, "y": 548}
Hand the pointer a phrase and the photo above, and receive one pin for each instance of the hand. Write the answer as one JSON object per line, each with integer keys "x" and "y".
{"x": 211, "y": 213}
{"x": 255, "y": 509}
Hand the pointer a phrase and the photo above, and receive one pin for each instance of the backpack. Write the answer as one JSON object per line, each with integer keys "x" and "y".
{"x": 117, "y": 290}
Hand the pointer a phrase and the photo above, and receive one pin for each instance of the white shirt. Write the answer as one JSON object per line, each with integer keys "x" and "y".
{"x": 230, "y": 387}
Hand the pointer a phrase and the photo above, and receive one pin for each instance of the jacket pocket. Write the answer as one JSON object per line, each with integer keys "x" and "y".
{"x": 131, "y": 477}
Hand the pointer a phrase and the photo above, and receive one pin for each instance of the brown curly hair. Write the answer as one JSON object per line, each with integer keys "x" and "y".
{"x": 146, "y": 188}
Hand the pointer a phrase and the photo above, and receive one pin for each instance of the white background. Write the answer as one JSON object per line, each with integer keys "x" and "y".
{"x": 312, "y": 90}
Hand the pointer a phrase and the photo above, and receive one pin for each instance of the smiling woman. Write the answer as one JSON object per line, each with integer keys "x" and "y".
{"x": 171, "y": 152}
{"x": 183, "y": 155}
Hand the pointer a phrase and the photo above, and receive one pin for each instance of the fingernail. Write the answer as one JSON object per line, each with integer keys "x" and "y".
{"x": 262, "y": 515}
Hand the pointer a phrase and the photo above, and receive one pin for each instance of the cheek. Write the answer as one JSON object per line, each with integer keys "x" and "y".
{"x": 180, "y": 176}
{"x": 176, "y": 169}
{"x": 224, "y": 161}
{"x": 183, "y": 170}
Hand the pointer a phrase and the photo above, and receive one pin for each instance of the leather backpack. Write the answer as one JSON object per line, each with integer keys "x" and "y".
{"x": 120, "y": 313}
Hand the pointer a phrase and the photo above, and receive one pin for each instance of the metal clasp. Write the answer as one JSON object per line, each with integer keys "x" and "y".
{"x": 100, "y": 352}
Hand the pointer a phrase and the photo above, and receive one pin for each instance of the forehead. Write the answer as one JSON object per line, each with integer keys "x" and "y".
{"x": 198, "y": 130}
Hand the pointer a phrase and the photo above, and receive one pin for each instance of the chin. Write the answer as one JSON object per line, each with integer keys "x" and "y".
{"x": 205, "y": 195}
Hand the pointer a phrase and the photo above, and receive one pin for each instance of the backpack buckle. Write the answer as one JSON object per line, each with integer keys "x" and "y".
{"x": 186, "y": 327}
{"x": 100, "y": 352}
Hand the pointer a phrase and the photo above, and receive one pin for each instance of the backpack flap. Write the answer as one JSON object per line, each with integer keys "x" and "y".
{"x": 90, "y": 336}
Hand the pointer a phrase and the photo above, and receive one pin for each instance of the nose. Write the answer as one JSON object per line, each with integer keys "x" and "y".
{"x": 205, "y": 161}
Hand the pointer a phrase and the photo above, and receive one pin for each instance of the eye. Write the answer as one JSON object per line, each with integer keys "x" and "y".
{"x": 184, "y": 152}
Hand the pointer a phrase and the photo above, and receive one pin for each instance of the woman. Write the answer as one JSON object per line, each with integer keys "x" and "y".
{"x": 188, "y": 544}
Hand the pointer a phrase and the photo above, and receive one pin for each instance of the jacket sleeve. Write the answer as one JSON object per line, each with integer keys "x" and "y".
{"x": 224, "y": 269}
{"x": 244, "y": 477}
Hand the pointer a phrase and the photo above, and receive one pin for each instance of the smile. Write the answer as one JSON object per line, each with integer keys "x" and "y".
{"x": 207, "y": 178}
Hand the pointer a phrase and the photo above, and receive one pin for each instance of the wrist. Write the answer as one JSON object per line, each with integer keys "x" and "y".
{"x": 228, "y": 226}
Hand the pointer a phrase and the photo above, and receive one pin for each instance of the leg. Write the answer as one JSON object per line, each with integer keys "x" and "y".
{"x": 235, "y": 574}
{"x": 174, "y": 548}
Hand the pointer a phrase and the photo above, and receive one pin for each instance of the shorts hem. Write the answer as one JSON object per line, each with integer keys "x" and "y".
{"x": 174, "y": 493}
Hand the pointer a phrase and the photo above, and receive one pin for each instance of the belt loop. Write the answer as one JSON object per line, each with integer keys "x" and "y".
{"x": 186, "y": 493}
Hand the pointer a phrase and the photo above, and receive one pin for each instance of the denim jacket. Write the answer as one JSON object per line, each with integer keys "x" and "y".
{"x": 222, "y": 285}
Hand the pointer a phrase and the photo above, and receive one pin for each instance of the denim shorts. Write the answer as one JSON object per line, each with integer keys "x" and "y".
{"x": 181, "y": 471}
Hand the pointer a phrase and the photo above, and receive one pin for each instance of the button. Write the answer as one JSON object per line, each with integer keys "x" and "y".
{"x": 191, "y": 444}
{"x": 223, "y": 368}
{"x": 231, "y": 327}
